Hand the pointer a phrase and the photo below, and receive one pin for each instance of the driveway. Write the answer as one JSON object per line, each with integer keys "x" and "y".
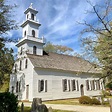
{"x": 77, "y": 108}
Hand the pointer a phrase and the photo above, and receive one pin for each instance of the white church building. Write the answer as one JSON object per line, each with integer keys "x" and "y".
{"x": 50, "y": 76}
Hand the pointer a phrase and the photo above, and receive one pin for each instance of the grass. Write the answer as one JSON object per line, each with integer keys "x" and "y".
{"x": 66, "y": 102}
{"x": 28, "y": 109}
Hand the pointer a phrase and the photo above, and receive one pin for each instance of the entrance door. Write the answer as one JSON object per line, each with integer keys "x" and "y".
{"x": 27, "y": 92}
{"x": 82, "y": 90}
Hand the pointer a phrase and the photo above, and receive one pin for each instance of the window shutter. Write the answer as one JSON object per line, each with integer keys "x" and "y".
{"x": 63, "y": 84}
{"x": 72, "y": 84}
{"x": 45, "y": 85}
{"x": 77, "y": 85}
{"x": 69, "y": 85}
{"x": 17, "y": 87}
{"x": 39, "y": 85}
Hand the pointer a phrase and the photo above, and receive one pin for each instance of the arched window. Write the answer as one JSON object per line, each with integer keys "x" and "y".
{"x": 15, "y": 68}
{"x": 12, "y": 89}
{"x": 26, "y": 63}
{"x": 27, "y": 16}
{"x": 33, "y": 33}
{"x": 34, "y": 50}
{"x": 17, "y": 86}
{"x": 25, "y": 34}
{"x": 32, "y": 16}
{"x": 20, "y": 65}
{"x": 21, "y": 51}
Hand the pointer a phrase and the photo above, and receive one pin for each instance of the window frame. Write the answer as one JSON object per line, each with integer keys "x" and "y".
{"x": 34, "y": 50}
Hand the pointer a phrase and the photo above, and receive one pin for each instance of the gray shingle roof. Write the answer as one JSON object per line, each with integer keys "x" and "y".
{"x": 62, "y": 62}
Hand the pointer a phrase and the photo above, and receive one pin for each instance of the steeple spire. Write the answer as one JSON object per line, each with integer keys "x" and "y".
{"x": 31, "y": 5}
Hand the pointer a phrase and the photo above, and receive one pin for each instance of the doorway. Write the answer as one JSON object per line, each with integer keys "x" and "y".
{"x": 27, "y": 92}
{"x": 82, "y": 89}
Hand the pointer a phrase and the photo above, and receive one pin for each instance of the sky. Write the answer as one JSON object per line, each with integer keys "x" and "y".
{"x": 59, "y": 20}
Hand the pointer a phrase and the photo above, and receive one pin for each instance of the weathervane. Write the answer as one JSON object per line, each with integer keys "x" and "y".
{"x": 31, "y": 5}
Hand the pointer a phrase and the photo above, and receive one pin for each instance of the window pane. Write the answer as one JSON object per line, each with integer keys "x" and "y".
{"x": 42, "y": 85}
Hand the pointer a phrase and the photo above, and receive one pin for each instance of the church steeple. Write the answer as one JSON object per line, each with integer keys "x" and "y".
{"x": 31, "y": 25}
{"x": 30, "y": 37}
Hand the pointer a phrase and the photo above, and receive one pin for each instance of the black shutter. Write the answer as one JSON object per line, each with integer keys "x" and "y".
{"x": 72, "y": 84}
{"x": 69, "y": 85}
{"x": 63, "y": 84}
{"x": 39, "y": 86}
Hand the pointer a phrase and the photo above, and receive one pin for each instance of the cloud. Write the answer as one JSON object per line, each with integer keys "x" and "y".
{"x": 58, "y": 18}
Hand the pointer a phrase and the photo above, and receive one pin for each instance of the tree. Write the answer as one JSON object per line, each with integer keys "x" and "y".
{"x": 6, "y": 61}
{"x": 98, "y": 45}
{"x": 6, "y": 24}
{"x": 49, "y": 47}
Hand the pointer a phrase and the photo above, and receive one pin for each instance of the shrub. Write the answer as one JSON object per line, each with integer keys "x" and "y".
{"x": 95, "y": 101}
{"x": 8, "y": 102}
{"x": 85, "y": 100}
{"x": 109, "y": 85}
{"x": 105, "y": 93}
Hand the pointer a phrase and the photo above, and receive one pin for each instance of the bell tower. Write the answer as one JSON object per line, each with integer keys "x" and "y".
{"x": 30, "y": 42}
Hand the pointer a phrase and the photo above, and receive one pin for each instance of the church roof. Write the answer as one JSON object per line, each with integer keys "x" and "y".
{"x": 62, "y": 62}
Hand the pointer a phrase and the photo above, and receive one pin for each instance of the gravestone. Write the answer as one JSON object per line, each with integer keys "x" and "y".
{"x": 50, "y": 109}
{"x": 110, "y": 105}
{"x": 37, "y": 106}
{"x": 22, "y": 107}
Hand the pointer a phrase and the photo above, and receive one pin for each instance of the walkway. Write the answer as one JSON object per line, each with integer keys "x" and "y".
{"x": 77, "y": 108}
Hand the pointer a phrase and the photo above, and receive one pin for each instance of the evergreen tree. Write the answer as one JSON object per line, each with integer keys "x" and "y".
{"x": 6, "y": 24}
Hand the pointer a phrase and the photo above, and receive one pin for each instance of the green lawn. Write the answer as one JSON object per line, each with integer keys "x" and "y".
{"x": 28, "y": 109}
{"x": 67, "y": 102}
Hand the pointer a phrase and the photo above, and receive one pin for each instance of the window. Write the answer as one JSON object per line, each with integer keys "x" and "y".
{"x": 17, "y": 87}
{"x": 26, "y": 63}
{"x": 20, "y": 65}
{"x": 25, "y": 34}
{"x": 27, "y": 16}
{"x": 73, "y": 85}
{"x": 42, "y": 85}
{"x": 15, "y": 69}
{"x": 34, "y": 50}
{"x": 21, "y": 51}
{"x": 98, "y": 84}
{"x": 33, "y": 33}
{"x": 32, "y": 16}
{"x": 64, "y": 82}
{"x": 12, "y": 89}
{"x": 93, "y": 83}
{"x": 87, "y": 85}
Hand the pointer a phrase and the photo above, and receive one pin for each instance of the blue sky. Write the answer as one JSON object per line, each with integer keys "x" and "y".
{"x": 58, "y": 20}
